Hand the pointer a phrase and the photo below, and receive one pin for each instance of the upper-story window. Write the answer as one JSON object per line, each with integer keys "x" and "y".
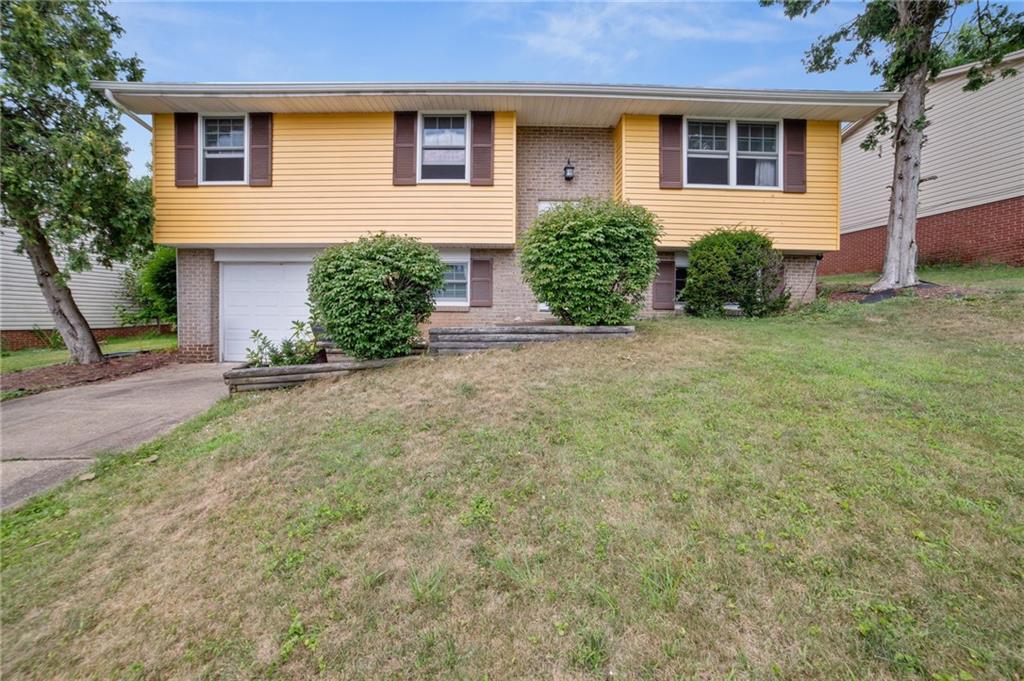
{"x": 223, "y": 149}
{"x": 707, "y": 158}
{"x": 444, "y": 147}
{"x": 733, "y": 153}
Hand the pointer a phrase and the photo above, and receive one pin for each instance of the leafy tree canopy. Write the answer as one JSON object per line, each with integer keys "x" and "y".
{"x": 64, "y": 167}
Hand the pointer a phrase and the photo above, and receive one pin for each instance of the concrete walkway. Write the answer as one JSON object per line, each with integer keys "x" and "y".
{"x": 48, "y": 438}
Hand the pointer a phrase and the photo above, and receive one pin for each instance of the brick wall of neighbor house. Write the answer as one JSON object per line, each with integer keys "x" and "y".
{"x": 991, "y": 232}
{"x": 23, "y": 339}
{"x": 541, "y": 154}
{"x": 198, "y": 305}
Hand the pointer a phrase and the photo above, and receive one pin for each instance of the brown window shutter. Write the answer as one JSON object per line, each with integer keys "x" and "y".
{"x": 664, "y": 293}
{"x": 186, "y": 153}
{"x": 261, "y": 135}
{"x": 481, "y": 282}
{"x": 670, "y": 152}
{"x": 481, "y": 169}
{"x": 794, "y": 168}
{"x": 403, "y": 170}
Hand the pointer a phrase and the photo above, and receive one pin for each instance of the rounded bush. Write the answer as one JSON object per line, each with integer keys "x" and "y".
{"x": 592, "y": 261}
{"x": 734, "y": 266}
{"x": 371, "y": 295}
{"x": 152, "y": 287}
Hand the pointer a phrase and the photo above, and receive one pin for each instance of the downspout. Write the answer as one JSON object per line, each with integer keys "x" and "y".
{"x": 123, "y": 109}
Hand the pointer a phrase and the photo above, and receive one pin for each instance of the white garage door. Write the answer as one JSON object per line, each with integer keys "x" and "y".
{"x": 264, "y": 296}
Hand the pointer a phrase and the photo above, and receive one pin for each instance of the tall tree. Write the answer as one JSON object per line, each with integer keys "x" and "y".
{"x": 66, "y": 186}
{"x": 904, "y": 42}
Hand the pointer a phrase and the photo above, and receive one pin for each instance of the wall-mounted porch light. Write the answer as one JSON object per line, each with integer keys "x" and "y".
{"x": 570, "y": 170}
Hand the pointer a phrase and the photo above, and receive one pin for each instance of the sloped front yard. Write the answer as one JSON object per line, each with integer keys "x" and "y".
{"x": 832, "y": 495}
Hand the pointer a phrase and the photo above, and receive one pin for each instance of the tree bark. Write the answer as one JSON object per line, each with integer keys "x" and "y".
{"x": 69, "y": 320}
{"x": 900, "y": 267}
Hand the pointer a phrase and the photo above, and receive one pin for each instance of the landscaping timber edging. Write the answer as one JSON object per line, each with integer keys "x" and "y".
{"x": 246, "y": 378}
{"x": 463, "y": 339}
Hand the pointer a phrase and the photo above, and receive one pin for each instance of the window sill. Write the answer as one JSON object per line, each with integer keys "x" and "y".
{"x": 732, "y": 186}
{"x": 233, "y": 183}
{"x": 457, "y": 307}
{"x": 421, "y": 181}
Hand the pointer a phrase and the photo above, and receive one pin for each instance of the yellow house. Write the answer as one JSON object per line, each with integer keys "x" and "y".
{"x": 251, "y": 180}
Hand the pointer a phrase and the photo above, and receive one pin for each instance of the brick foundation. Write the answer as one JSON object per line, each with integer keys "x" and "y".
{"x": 198, "y": 306}
{"x": 24, "y": 339}
{"x": 989, "y": 233}
{"x": 800, "y": 274}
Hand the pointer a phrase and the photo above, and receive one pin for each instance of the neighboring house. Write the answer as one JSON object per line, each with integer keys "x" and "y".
{"x": 23, "y": 311}
{"x": 251, "y": 180}
{"x": 973, "y": 209}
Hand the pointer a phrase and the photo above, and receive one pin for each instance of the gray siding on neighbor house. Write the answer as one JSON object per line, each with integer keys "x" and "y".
{"x": 975, "y": 147}
{"x": 22, "y": 306}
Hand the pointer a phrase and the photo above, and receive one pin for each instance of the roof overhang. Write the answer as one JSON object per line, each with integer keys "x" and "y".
{"x": 534, "y": 103}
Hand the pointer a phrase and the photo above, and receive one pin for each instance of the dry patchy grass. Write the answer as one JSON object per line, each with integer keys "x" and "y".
{"x": 833, "y": 494}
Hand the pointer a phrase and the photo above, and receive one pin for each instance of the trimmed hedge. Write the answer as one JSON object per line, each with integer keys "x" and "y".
{"x": 734, "y": 266}
{"x": 370, "y": 296}
{"x": 592, "y": 261}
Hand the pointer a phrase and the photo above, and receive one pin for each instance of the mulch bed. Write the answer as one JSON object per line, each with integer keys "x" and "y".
{"x": 64, "y": 375}
{"x": 925, "y": 291}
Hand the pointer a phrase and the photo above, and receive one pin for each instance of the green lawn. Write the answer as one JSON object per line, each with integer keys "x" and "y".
{"x": 834, "y": 494}
{"x": 30, "y": 359}
{"x": 999, "y": 277}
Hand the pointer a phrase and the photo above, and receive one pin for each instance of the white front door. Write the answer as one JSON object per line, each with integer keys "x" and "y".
{"x": 264, "y": 296}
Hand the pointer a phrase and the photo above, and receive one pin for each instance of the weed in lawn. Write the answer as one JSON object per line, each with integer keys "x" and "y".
{"x": 428, "y": 589}
{"x": 591, "y": 651}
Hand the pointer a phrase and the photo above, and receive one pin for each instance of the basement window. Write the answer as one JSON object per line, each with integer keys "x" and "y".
{"x": 223, "y": 149}
{"x": 454, "y": 292}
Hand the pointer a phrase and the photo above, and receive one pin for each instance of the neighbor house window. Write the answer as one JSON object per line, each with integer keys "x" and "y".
{"x": 443, "y": 147}
{"x": 733, "y": 153}
{"x": 223, "y": 151}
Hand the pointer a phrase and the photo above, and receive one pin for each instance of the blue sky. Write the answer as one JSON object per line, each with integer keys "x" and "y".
{"x": 715, "y": 44}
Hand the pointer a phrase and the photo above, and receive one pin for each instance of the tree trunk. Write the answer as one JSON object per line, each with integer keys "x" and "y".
{"x": 68, "y": 319}
{"x": 900, "y": 267}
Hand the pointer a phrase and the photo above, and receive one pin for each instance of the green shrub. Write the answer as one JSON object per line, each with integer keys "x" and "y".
{"x": 371, "y": 295}
{"x": 592, "y": 261}
{"x": 734, "y": 266}
{"x": 299, "y": 348}
{"x": 152, "y": 287}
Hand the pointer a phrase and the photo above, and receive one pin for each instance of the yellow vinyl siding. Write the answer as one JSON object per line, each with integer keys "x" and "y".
{"x": 332, "y": 184}
{"x": 617, "y": 185}
{"x": 806, "y": 222}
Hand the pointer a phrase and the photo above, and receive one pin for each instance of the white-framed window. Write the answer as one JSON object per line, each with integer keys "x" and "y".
{"x": 682, "y": 270}
{"x": 444, "y": 147}
{"x": 455, "y": 290}
{"x": 222, "y": 149}
{"x": 732, "y": 153}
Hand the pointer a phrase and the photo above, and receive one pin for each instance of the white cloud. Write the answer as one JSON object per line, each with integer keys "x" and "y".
{"x": 604, "y": 37}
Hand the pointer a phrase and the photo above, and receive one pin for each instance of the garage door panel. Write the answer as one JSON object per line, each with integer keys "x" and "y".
{"x": 263, "y": 296}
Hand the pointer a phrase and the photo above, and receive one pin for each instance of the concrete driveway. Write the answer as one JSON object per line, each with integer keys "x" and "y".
{"x": 48, "y": 438}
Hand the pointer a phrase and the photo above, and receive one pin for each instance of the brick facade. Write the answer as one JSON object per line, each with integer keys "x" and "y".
{"x": 800, "y": 274}
{"x": 991, "y": 232}
{"x": 23, "y": 339}
{"x": 541, "y": 154}
{"x": 198, "y": 305}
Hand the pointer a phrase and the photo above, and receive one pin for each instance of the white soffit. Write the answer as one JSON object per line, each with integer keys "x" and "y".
{"x": 534, "y": 103}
